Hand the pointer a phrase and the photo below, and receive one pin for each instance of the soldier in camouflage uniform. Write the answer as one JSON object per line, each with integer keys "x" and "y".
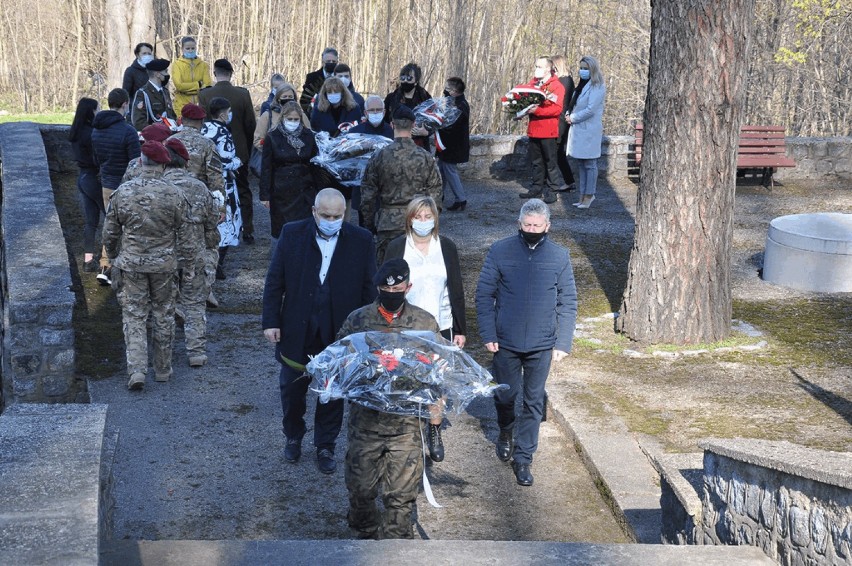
{"x": 383, "y": 447}
{"x": 155, "y": 132}
{"x": 140, "y": 237}
{"x": 152, "y": 102}
{"x": 197, "y": 250}
{"x": 395, "y": 175}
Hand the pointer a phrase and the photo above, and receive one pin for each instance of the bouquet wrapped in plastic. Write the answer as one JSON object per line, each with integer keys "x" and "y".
{"x": 435, "y": 114}
{"x": 401, "y": 373}
{"x": 519, "y": 100}
{"x": 346, "y": 156}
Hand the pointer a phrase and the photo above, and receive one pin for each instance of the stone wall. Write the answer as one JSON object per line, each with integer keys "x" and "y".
{"x": 794, "y": 503}
{"x": 818, "y": 158}
{"x": 37, "y": 301}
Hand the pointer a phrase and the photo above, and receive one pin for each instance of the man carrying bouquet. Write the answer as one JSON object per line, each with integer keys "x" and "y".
{"x": 543, "y": 130}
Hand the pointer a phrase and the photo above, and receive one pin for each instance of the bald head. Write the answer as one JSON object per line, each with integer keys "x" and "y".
{"x": 329, "y": 205}
{"x": 329, "y": 196}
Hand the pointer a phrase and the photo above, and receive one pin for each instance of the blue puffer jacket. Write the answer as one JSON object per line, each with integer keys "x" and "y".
{"x": 526, "y": 300}
{"x": 115, "y": 143}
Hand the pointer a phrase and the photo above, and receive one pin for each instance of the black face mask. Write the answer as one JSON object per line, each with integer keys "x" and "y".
{"x": 166, "y": 80}
{"x": 408, "y": 87}
{"x": 329, "y": 67}
{"x": 391, "y": 300}
{"x": 446, "y": 93}
{"x": 532, "y": 238}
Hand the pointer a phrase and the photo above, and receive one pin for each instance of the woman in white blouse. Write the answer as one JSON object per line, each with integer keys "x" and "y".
{"x": 436, "y": 284}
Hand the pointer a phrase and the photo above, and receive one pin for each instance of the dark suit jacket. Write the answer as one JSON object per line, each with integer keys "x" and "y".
{"x": 396, "y": 248}
{"x": 313, "y": 83}
{"x": 243, "y": 124}
{"x": 293, "y": 277}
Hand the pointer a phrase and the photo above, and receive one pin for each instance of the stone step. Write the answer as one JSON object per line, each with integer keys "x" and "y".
{"x": 432, "y": 552}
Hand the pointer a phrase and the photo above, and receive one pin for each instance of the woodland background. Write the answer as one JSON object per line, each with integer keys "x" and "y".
{"x": 52, "y": 53}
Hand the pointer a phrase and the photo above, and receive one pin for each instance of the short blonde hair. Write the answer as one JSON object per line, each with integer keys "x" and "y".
{"x": 417, "y": 204}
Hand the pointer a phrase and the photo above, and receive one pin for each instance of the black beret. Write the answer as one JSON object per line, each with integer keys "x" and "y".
{"x": 223, "y": 64}
{"x": 392, "y": 272}
{"x": 403, "y": 112}
{"x": 158, "y": 65}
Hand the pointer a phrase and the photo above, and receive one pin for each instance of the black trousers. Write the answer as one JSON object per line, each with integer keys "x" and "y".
{"x": 246, "y": 204}
{"x": 562, "y": 159}
{"x": 545, "y": 171}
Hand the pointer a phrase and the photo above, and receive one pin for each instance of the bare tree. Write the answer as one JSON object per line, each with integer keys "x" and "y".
{"x": 678, "y": 288}
{"x": 128, "y": 22}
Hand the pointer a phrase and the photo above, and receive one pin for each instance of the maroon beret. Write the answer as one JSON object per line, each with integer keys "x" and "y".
{"x": 156, "y": 152}
{"x": 193, "y": 112}
{"x": 177, "y": 146}
{"x": 155, "y": 132}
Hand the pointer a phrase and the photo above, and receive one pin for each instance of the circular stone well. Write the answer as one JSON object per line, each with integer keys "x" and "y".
{"x": 810, "y": 252}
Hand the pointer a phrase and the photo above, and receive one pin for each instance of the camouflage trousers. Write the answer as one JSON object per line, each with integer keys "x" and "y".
{"x": 196, "y": 277}
{"x": 139, "y": 295}
{"x": 383, "y": 238}
{"x": 395, "y": 461}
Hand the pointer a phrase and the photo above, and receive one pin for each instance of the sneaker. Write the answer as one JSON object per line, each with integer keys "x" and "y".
{"x": 104, "y": 278}
{"x": 137, "y": 382}
{"x": 325, "y": 461}
{"x": 90, "y": 266}
{"x": 436, "y": 444}
{"x": 197, "y": 361}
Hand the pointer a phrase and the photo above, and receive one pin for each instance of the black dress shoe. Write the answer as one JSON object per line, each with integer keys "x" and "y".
{"x": 220, "y": 273}
{"x": 436, "y": 444}
{"x": 248, "y": 239}
{"x": 458, "y": 205}
{"x": 505, "y": 445}
{"x": 549, "y": 197}
{"x": 325, "y": 461}
{"x": 523, "y": 474}
{"x": 530, "y": 194}
{"x": 293, "y": 450}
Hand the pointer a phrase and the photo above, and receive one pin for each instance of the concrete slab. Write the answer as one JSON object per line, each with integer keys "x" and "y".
{"x": 433, "y": 552}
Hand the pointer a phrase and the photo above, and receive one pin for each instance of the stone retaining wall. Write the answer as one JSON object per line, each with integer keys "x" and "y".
{"x": 38, "y": 337}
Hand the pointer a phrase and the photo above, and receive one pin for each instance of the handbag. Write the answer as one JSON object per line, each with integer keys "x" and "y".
{"x": 254, "y": 161}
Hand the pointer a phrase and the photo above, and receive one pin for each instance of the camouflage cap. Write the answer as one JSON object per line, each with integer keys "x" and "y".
{"x": 392, "y": 272}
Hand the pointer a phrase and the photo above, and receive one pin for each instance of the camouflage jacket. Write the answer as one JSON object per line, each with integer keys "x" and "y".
{"x": 135, "y": 170}
{"x": 199, "y": 229}
{"x": 368, "y": 318}
{"x": 149, "y": 105}
{"x": 204, "y": 163}
{"x": 141, "y": 226}
{"x": 396, "y": 174}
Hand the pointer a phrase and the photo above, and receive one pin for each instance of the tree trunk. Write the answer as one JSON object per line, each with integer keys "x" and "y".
{"x": 128, "y": 22}
{"x": 678, "y": 287}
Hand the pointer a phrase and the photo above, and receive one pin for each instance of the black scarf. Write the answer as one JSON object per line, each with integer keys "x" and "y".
{"x": 577, "y": 90}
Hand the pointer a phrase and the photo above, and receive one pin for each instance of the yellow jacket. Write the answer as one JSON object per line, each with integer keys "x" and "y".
{"x": 189, "y": 76}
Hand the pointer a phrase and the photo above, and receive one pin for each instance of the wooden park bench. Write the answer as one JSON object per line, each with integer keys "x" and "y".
{"x": 761, "y": 147}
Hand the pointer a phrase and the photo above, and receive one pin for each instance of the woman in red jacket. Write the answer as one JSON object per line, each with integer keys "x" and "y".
{"x": 543, "y": 130}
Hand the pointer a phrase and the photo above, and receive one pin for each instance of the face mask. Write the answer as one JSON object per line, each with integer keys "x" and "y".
{"x": 329, "y": 68}
{"x": 408, "y": 87}
{"x": 274, "y": 91}
{"x": 230, "y": 117}
{"x": 345, "y": 81}
{"x": 145, "y": 59}
{"x": 585, "y": 74}
{"x": 189, "y": 54}
{"x": 446, "y": 93}
{"x": 334, "y": 97}
{"x": 532, "y": 238}
{"x": 166, "y": 80}
{"x": 329, "y": 227}
{"x": 539, "y": 73}
{"x": 391, "y": 300}
{"x": 291, "y": 125}
{"x": 376, "y": 118}
{"x": 422, "y": 227}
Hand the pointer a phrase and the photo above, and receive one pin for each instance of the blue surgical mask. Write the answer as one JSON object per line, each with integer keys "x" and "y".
{"x": 423, "y": 227}
{"x": 230, "y": 117}
{"x": 376, "y": 118}
{"x": 334, "y": 97}
{"x": 345, "y": 81}
{"x": 190, "y": 54}
{"x": 145, "y": 59}
{"x": 585, "y": 74}
{"x": 291, "y": 125}
{"x": 330, "y": 227}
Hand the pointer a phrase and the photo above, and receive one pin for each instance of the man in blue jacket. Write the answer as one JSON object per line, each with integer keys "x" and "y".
{"x": 526, "y": 305}
{"x": 115, "y": 143}
{"x": 321, "y": 270}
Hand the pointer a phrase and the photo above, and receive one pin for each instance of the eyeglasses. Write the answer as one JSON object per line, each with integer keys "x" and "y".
{"x": 287, "y": 98}
{"x": 406, "y": 78}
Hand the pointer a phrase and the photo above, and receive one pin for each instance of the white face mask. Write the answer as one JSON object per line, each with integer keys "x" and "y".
{"x": 291, "y": 125}
{"x": 376, "y": 118}
{"x": 539, "y": 73}
{"x": 334, "y": 97}
{"x": 345, "y": 81}
{"x": 423, "y": 227}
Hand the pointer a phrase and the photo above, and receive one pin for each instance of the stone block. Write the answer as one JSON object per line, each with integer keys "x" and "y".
{"x": 22, "y": 313}
{"x": 767, "y": 509}
{"x": 819, "y": 530}
{"x": 819, "y": 149}
{"x": 764, "y": 542}
{"x": 60, "y": 316}
{"x": 842, "y": 538}
{"x": 477, "y": 150}
{"x": 25, "y": 388}
{"x": 752, "y": 501}
{"x": 55, "y": 385}
{"x": 840, "y": 147}
{"x": 25, "y": 364}
{"x": 737, "y": 494}
{"x": 24, "y": 337}
{"x": 53, "y": 337}
{"x": 781, "y": 506}
{"x": 61, "y": 361}
{"x": 824, "y": 167}
{"x": 799, "y": 526}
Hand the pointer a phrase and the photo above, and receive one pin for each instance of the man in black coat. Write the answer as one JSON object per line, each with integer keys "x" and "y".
{"x": 314, "y": 80}
{"x": 321, "y": 270}
{"x": 242, "y": 126}
{"x": 456, "y": 142}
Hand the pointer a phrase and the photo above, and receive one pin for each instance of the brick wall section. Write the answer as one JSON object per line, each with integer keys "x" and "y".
{"x": 794, "y": 503}
{"x": 38, "y": 338}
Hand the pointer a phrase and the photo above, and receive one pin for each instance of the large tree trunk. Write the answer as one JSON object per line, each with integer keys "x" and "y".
{"x": 128, "y": 22}
{"x": 678, "y": 287}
